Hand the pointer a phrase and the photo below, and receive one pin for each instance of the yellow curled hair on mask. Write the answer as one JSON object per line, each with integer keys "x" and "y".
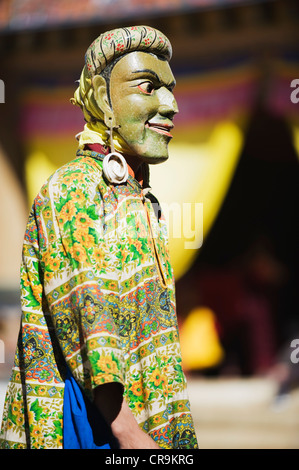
{"x": 95, "y": 130}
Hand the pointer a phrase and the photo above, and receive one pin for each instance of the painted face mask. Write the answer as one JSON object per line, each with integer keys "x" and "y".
{"x": 135, "y": 96}
{"x": 143, "y": 104}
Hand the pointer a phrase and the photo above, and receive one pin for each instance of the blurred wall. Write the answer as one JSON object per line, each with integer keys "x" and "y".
{"x": 13, "y": 216}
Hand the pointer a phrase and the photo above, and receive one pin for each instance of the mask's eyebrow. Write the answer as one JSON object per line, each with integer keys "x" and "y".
{"x": 148, "y": 71}
{"x": 156, "y": 76}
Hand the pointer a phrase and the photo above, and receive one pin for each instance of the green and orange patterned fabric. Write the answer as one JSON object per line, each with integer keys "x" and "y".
{"x": 98, "y": 296}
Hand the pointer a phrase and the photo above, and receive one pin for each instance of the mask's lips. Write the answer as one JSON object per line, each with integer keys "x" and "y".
{"x": 160, "y": 127}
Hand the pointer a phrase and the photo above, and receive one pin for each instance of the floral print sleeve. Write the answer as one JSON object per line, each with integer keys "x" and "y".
{"x": 80, "y": 275}
{"x": 97, "y": 296}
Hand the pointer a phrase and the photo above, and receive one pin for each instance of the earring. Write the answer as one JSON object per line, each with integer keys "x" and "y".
{"x": 115, "y": 167}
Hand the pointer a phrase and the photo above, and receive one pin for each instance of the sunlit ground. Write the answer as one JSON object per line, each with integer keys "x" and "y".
{"x": 244, "y": 414}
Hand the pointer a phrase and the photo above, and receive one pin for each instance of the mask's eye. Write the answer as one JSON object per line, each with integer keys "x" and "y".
{"x": 146, "y": 87}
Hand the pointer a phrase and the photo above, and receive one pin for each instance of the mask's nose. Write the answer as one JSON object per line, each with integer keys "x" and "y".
{"x": 168, "y": 105}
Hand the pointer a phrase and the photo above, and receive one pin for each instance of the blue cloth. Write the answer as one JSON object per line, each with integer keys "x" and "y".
{"x": 83, "y": 426}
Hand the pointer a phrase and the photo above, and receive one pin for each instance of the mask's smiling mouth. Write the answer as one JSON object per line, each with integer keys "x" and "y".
{"x": 161, "y": 128}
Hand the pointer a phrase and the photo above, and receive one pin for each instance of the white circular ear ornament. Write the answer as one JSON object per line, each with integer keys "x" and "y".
{"x": 115, "y": 168}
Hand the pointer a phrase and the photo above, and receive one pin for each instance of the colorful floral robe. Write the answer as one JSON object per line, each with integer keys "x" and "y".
{"x": 97, "y": 295}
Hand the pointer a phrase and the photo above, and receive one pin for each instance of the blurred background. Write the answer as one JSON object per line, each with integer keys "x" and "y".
{"x": 235, "y": 151}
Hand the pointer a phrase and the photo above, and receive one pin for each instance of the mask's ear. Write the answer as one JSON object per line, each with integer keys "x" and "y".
{"x": 101, "y": 96}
